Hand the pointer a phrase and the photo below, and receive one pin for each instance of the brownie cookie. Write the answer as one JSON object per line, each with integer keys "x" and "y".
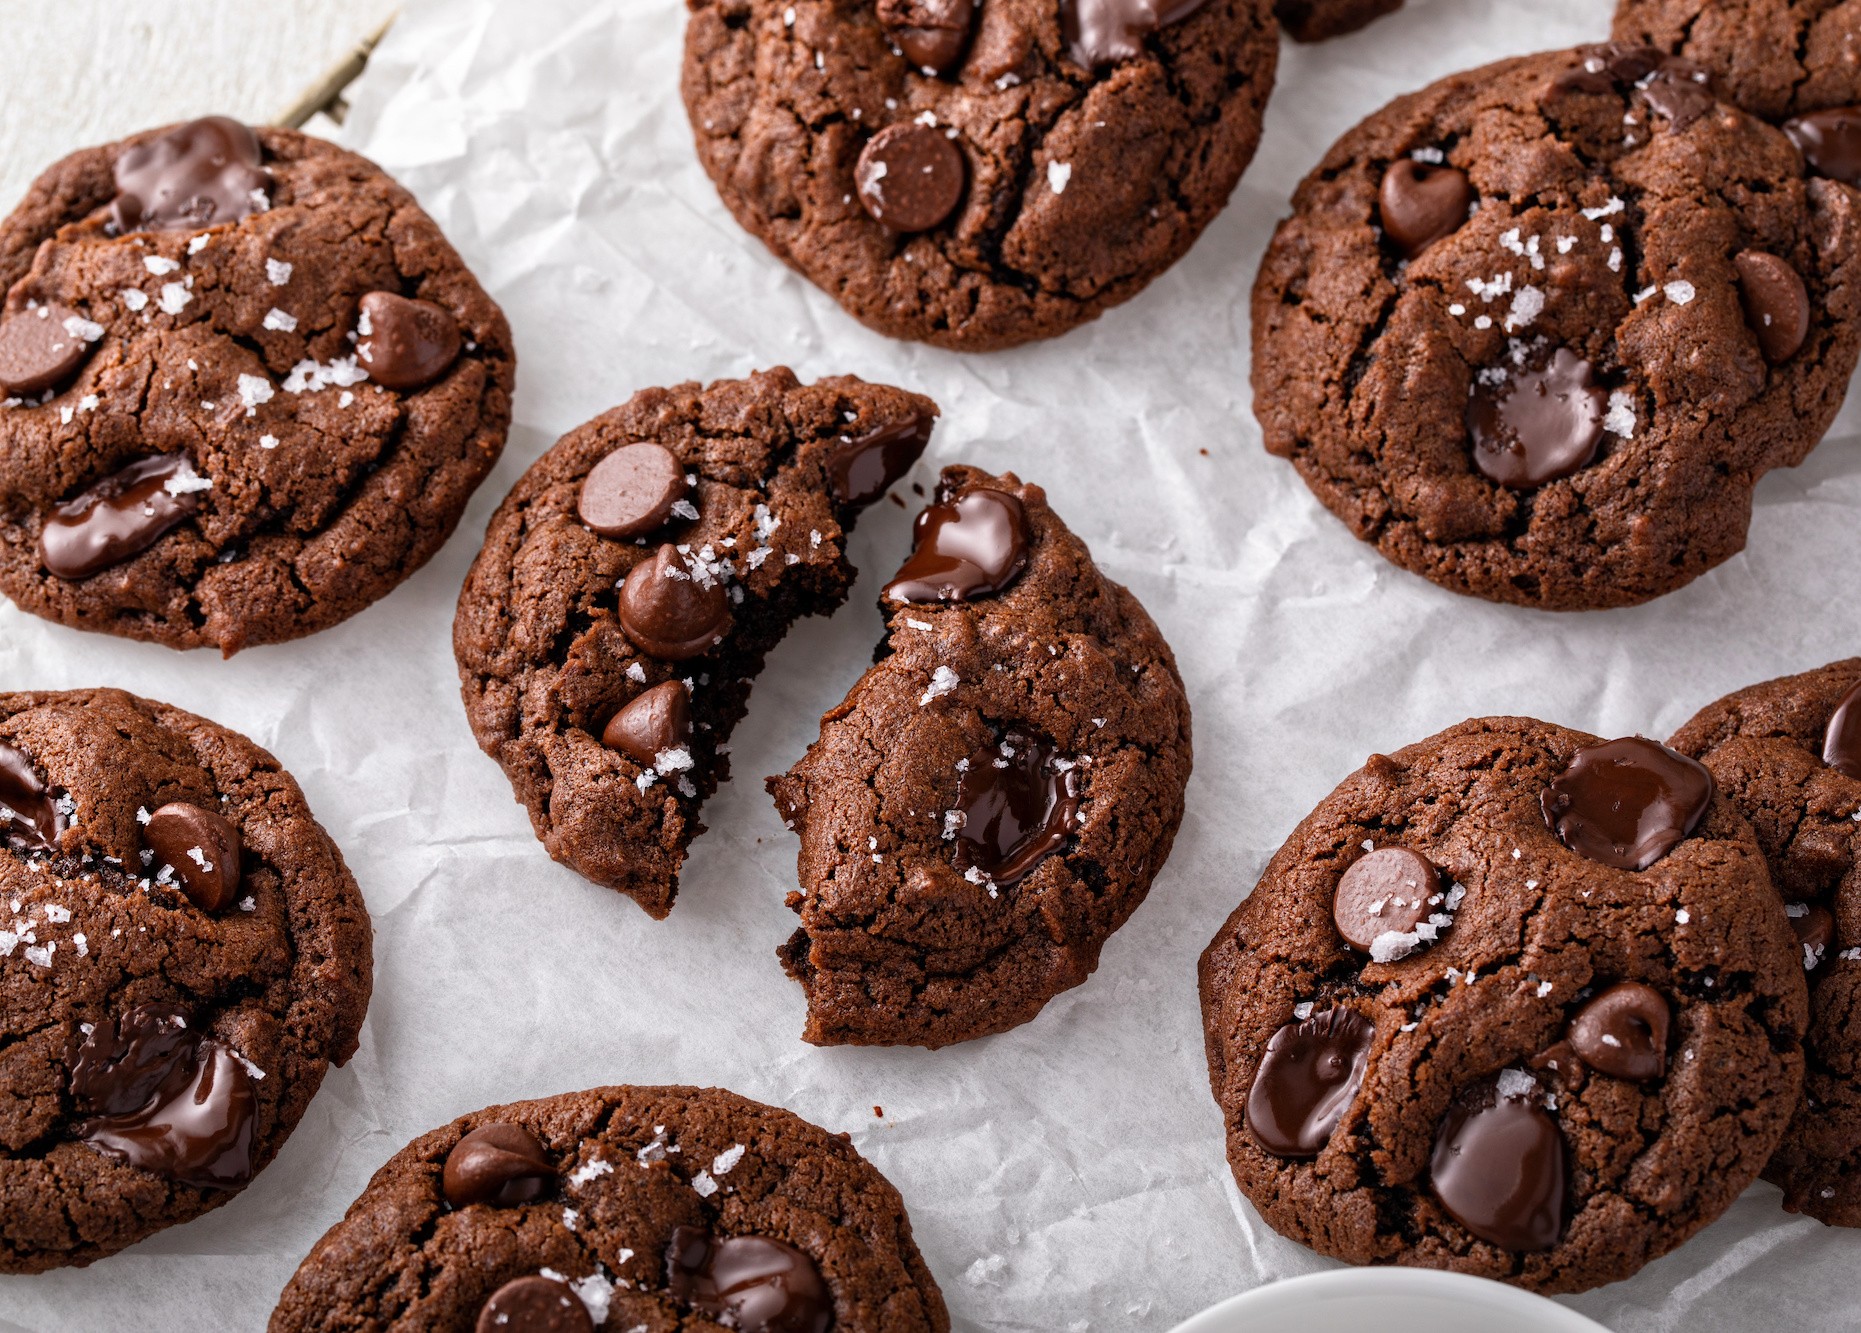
{"x": 1321, "y": 20}
{"x": 247, "y": 387}
{"x": 978, "y": 175}
{"x": 1512, "y": 1001}
{"x": 631, "y": 584}
{"x": 1788, "y": 754}
{"x": 1536, "y": 331}
{"x": 621, "y": 1209}
{"x": 182, "y": 956}
{"x": 993, "y": 798}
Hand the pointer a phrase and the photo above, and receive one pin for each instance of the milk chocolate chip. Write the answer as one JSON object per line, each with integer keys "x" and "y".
{"x": 965, "y": 548}
{"x": 1533, "y": 426}
{"x": 28, "y": 814}
{"x": 1627, "y": 803}
{"x": 200, "y": 174}
{"x": 1390, "y": 891}
{"x": 534, "y": 1304}
{"x": 1307, "y": 1079}
{"x": 1841, "y": 743}
{"x": 654, "y": 722}
{"x": 499, "y": 1164}
{"x": 406, "y": 344}
{"x": 862, "y": 468}
{"x": 749, "y": 1283}
{"x": 632, "y": 490}
{"x": 1420, "y": 204}
{"x": 933, "y": 34}
{"x": 910, "y": 177}
{"x": 1018, "y": 805}
{"x": 1776, "y": 304}
{"x": 121, "y": 516}
{"x": 1103, "y": 32}
{"x": 203, "y": 848}
{"x": 1622, "y": 1032}
{"x": 1498, "y": 1165}
{"x": 672, "y": 610}
{"x": 1830, "y": 141}
{"x": 41, "y": 348}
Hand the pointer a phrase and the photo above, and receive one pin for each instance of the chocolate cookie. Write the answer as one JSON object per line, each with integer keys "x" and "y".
{"x": 1788, "y": 754}
{"x": 978, "y": 175}
{"x": 994, "y": 797}
{"x": 182, "y": 956}
{"x": 1321, "y": 20}
{"x": 1512, "y": 1001}
{"x": 1536, "y": 331}
{"x": 631, "y": 584}
{"x": 620, "y": 1209}
{"x": 247, "y": 387}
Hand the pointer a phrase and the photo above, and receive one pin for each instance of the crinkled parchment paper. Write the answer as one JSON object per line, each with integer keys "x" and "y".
{"x": 1068, "y": 1175}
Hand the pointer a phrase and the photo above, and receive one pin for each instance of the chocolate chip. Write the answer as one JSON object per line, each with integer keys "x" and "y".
{"x": 1627, "y": 803}
{"x": 672, "y": 610}
{"x": 1814, "y": 925}
{"x": 1307, "y": 1079}
{"x": 200, "y": 174}
{"x": 1018, "y": 805}
{"x": 1679, "y": 91}
{"x": 656, "y": 721}
{"x": 1674, "y": 87}
{"x": 910, "y": 177}
{"x": 748, "y": 1283}
{"x": 1623, "y": 1032}
{"x": 1390, "y": 891}
{"x": 534, "y": 1305}
{"x": 1103, "y": 32}
{"x": 1420, "y": 204}
{"x": 202, "y": 846}
{"x": 1830, "y": 141}
{"x": 121, "y": 1065}
{"x": 499, "y": 1164}
{"x": 861, "y": 468}
{"x": 1841, "y": 743}
{"x": 1498, "y": 1165}
{"x": 1533, "y": 425}
{"x": 27, "y": 811}
{"x": 968, "y": 547}
{"x": 632, "y": 490}
{"x": 933, "y": 34}
{"x": 40, "y": 350}
{"x": 121, "y": 516}
{"x": 1776, "y": 304}
{"x": 406, "y": 344}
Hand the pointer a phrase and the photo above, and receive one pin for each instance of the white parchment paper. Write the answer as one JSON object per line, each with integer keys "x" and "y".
{"x": 1068, "y": 1175}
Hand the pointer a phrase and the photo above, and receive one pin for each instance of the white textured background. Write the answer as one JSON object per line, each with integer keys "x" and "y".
{"x": 1065, "y": 1176}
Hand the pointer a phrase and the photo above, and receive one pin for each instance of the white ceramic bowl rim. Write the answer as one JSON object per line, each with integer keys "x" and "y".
{"x": 1523, "y": 1311}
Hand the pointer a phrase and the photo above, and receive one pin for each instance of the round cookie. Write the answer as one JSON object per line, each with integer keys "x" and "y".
{"x": 616, "y": 1209}
{"x": 977, "y": 175}
{"x": 1514, "y": 1059}
{"x": 1321, "y": 20}
{"x": 994, "y": 797}
{"x": 1536, "y": 331}
{"x": 1788, "y": 754}
{"x": 633, "y": 581}
{"x": 1775, "y": 58}
{"x": 182, "y": 956}
{"x": 246, "y": 387}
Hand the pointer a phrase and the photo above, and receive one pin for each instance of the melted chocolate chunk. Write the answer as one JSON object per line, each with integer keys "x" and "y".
{"x": 910, "y": 177}
{"x": 166, "y": 1099}
{"x": 632, "y": 490}
{"x": 1830, "y": 141}
{"x": 933, "y": 34}
{"x": 406, "y": 344}
{"x": 1498, "y": 1166}
{"x": 1391, "y": 890}
{"x": 1627, "y": 803}
{"x": 672, "y": 611}
{"x": 1104, "y": 32}
{"x": 968, "y": 547}
{"x": 1814, "y": 925}
{"x": 650, "y": 724}
{"x": 1307, "y": 1079}
{"x": 27, "y": 811}
{"x": 1675, "y": 88}
{"x": 499, "y": 1164}
{"x": 203, "y": 848}
{"x": 1841, "y": 743}
{"x": 534, "y": 1305}
{"x": 749, "y": 1283}
{"x": 1622, "y": 1032}
{"x": 861, "y": 468}
{"x": 1776, "y": 303}
{"x": 40, "y": 349}
{"x": 1018, "y": 804}
{"x": 1532, "y": 426}
{"x": 121, "y": 516}
{"x": 1420, "y": 204}
{"x": 200, "y": 174}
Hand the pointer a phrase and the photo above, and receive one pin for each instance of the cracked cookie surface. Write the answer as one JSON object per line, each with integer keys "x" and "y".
{"x": 315, "y": 490}
{"x": 546, "y": 662}
{"x": 1532, "y": 933}
{"x": 1080, "y": 185}
{"x": 620, "y": 1172}
{"x": 1775, "y": 58}
{"x": 1639, "y": 279}
{"x": 272, "y": 983}
{"x": 1765, "y": 746}
{"x": 914, "y": 929}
